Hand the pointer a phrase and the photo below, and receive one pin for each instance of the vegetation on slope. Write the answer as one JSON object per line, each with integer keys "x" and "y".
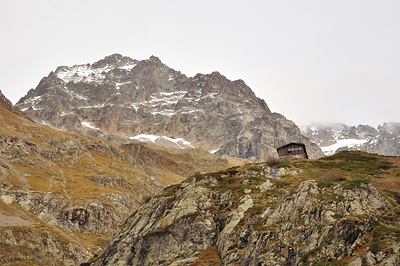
{"x": 330, "y": 211}
{"x": 82, "y": 186}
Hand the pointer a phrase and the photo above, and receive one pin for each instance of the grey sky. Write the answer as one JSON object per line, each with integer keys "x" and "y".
{"x": 312, "y": 61}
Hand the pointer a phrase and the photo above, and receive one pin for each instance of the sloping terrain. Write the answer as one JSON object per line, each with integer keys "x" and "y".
{"x": 339, "y": 210}
{"x": 383, "y": 140}
{"x": 64, "y": 195}
{"x": 120, "y": 98}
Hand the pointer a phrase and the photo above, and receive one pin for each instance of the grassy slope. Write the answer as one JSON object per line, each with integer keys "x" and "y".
{"x": 67, "y": 174}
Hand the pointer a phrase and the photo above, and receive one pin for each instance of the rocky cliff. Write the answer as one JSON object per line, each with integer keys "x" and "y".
{"x": 334, "y": 211}
{"x": 383, "y": 140}
{"x": 64, "y": 195}
{"x": 148, "y": 100}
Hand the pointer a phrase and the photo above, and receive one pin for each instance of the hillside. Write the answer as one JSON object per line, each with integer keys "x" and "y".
{"x": 63, "y": 195}
{"x": 119, "y": 98}
{"x": 383, "y": 140}
{"x": 339, "y": 210}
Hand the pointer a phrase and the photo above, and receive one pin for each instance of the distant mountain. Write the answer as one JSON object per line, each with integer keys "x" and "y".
{"x": 383, "y": 140}
{"x": 147, "y": 100}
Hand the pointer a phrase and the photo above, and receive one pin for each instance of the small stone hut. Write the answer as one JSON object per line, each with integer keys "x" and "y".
{"x": 293, "y": 150}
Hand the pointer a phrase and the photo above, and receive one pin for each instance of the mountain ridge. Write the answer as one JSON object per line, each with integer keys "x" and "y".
{"x": 383, "y": 139}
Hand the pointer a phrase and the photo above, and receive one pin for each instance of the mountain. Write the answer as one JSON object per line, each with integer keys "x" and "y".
{"x": 338, "y": 210}
{"x": 120, "y": 98}
{"x": 63, "y": 195}
{"x": 383, "y": 140}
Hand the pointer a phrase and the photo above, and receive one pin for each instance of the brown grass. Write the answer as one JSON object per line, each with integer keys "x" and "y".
{"x": 67, "y": 176}
{"x": 333, "y": 176}
{"x": 209, "y": 257}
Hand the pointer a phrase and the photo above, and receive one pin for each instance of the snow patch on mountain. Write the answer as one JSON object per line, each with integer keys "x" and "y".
{"x": 89, "y": 125}
{"x": 82, "y": 73}
{"x": 128, "y": 67}
{"x": 214, "y": 151}
{"x": 164, "y": 141}
{"x": 341, "y": 143}
{"x": 119, "y": 84}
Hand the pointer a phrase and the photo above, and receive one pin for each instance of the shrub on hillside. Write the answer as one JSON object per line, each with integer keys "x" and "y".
{"x": 332, "y": 177}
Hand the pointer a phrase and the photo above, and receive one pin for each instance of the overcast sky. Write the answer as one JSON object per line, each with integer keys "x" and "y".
{"x": 312, "y": 61}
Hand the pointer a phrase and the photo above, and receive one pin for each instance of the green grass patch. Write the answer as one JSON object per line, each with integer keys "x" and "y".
{"x": 230, "y": 172}
{"x": 157, "y": 233}
{"x": 258, "y": 227}
{"x": 346, "y": 165}
{"x": 326, "y": 263}
{"x": 355, "y": 183}
{"x": 356, "y": 162}
{"x": 338, "y": 216}
{"x": 333, "y": 197}
{"x": 279, "y": 163}
{"x": 376, "y": 246}
{"x": 242, "y": 222}
{"x": 169, "y": 191}
{"x": 255, "y": 168}
{"x": 380, "y": 230}
{"x": 256, "y": 209}
{"x": 310, "y": 254}
{"x": 394, "y": 195}
{"x": 281, "y": 183}
{"x": 273, "y": 193}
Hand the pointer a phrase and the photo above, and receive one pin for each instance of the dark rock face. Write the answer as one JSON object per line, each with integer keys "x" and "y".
{"x": 383, "y": 140}
{"x": 128, "y": 97}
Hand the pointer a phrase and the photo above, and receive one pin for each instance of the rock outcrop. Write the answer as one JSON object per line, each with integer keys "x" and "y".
{"x": 40, "y": 245}
{"x": 258, "y": 215}
{"x": 118, "y": 97}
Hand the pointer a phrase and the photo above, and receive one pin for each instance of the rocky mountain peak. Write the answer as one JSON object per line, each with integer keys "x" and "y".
{"x": 113, "y": 59}
{"x": 155, "y": 59}
{"x": 392, "y": 127}
{"x": 133, "y": 98}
